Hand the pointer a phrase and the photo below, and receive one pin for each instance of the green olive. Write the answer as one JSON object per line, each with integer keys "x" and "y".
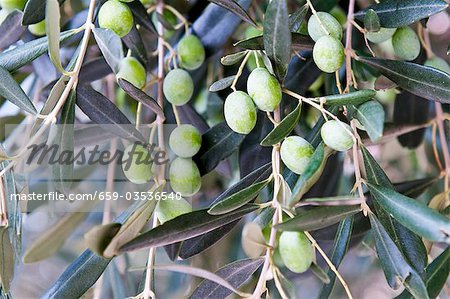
{"x": 332, "y": 25}
{"x": 132, "y": 70}
{"x": 191, "y": 52}
{"x": 184, "y": 176}
{"x": 296, "y": 153}
{"x": 386, "y": 96}
{"x": 240, "y": 112}
{"x": 328, "y": 54}
{"x": 168, "y": 209}
{"x": 178, "y": 87}
{"x": 116, "y": 16}
{"x": 438, "y": 63}
{"x": 264, "y": 89}
{"x": 185, "y": 141}
{"x": 37, "y": 29}
{"x": 336, "y": 135}
{"x": 12, "y": 4}
{"x": 296, "y": 251}
{"x": 380, "y": 36}
{"x": 137, "y": 164}
{"x": 406, "y": 43}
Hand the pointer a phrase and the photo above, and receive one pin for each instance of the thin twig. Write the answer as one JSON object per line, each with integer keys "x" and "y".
{"x": 348, "y": 44}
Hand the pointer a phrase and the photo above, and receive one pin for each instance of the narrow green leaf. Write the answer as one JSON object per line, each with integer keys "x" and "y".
{"x": 51, "y": 241}
{"x": 312, "y": 173}
{"x": 21, "y": 55}
{"x": 320, "y": 273}
{"x": 352, "y": 98}
{"x": 238, "y": 199}
{"x": 420, "y": 80}
{"x": 11, "y": 91}
{"x": 99, "y": 237}
{"x": 340, "y": 247}
{"x": 52, "y": 28}
{"x": 283, "y": 128}
{"x": 412, "y": 214}
{"x": 298, "y": 18}
{"x": 7, "y": 260}
{"x": 437, "y": 274}
{"x": 394, "y": 13}
{"x": 11, "y": 29}
{"x": 371, "y": 21}
{"x": 319, "y": 217}
{"x": 299, "y": 42}
{"x": 235, "y": 8}
{"x": 277, "y": 37}
{"x": 185, "y": 227}
{"x": 222, "y": 84}
{"x": 63, "y": 172}
{"x": 34, "y": 11}
{"x": 111, "y": 47}
{"x": 236, "y": 273}
{"x": 395, "y": 268}
{"x": 234, "y": 58}
{"x": 371, "y": 116}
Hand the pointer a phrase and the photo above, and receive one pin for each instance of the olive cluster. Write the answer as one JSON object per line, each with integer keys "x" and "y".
{"x": 328, "y": 51}
{"x": 263, "y": 90}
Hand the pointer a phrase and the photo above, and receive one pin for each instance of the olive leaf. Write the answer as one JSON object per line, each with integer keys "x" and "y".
{"x": 238, "y": 199}
{"x": 218, "y": 143}
{"x": 412, "y": 214}
{"x": 19, "y": 56}
{"x": 11, "y": 91}
{"x": 34, "y": 11}
{"x": 140, "y": 15}
{"x": 236, "y": 273}
{"x": 420, "y": 80}
{"x": 184, "y": 227}
{"x": 141, "y": 96}
{"x": 319, "y": 217}
{"x": 298, "y": 18}
{"x": 52, "y": 28}
{"x": 340, "y": 247}
{"x": 299, "y": 42}
{"x": 11, "y": 29}
{"x": 320, "y": 273}
{"x": 7, "y": 259}
{"x": 103, "y": 112}
{"x": 277, "y": 37}
{"x": 111, "y": 47}
{"x": 283, "y": 128}
{"x": 222, "y": 84}
{"x": 134, "y": 42}
{"x": 235, "y": 8}
{"x": 393, "y": 13}
{"x": 371, "y": 21}
{"x": 352, "y": 98}
{"x": 396, "y": 269}
{"x": 100, "y": 236}
{"x": 234, "y": 58}
{"x": 371, "y": 116}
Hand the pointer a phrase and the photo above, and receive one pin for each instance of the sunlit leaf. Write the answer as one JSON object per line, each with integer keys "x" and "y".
{"x": 11, "y": 91}
{"x": 111, "y": 47}
{"x": 52, "y": 28}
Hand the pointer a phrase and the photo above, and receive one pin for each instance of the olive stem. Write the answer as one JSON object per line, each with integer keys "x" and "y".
{"x": 256, "y": 58}
{"x": 330, "y": 264}
{"x": 240, "y": 70}
{"x": 177, "y": 115}
{"x": 348, "y": 44}
{"x": 314, "y": 12}
{"x": 3, "y": 210}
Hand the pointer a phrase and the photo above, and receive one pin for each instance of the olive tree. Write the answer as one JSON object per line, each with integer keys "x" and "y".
{"x": 302, "y": 132}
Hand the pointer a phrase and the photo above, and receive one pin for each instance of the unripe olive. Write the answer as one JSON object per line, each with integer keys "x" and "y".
{"x": 296, "y": 153}
{"x": 264, "y": 89}
{"x": 438, "y": 63}
{"x": 240, "y": 112}
{"x": 184, "y": 176}
{"x": 137, "y": 164}
{"x": 132, "y": 70}
{"x": 386, "y": 96}
{"x": 37, "y": 29}
{"x": 335, "y": 136}
{"x": 332, "y": 25}
{"x": 381, "y": 35}
{"x": 296, "y": 251}
{"x": 12, "y": 4}
{"x": 191, "y": 52}
{"x": 148, "y": 2}
{"x": 168, "y": 209}
{"x": 406, "y": 43}
{"x": 116, "y": 16}
{"x": 185, "y": 141}
{"x": 178, "y": 87}
{"x": 328, "y": 54}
